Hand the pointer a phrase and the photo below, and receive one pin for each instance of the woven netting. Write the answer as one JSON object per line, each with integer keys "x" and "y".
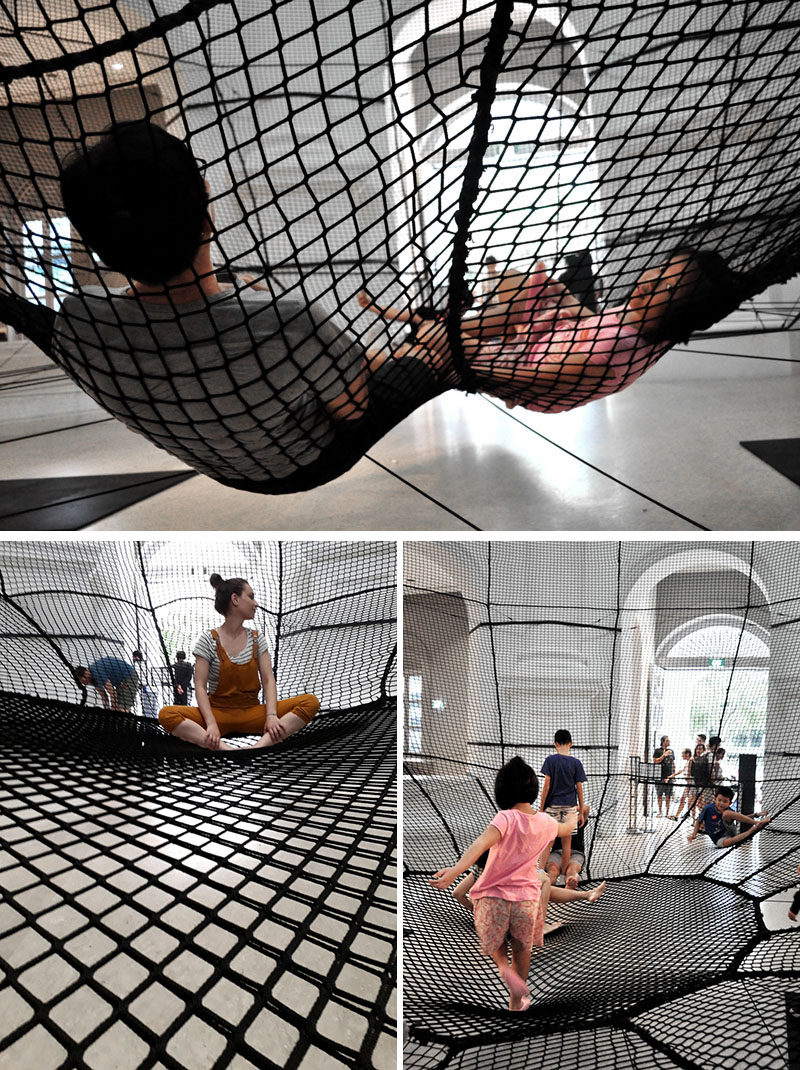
{"x": 165, "y": 906}
{"x": 620, "y": 644}
{"x": 391, "y": 149}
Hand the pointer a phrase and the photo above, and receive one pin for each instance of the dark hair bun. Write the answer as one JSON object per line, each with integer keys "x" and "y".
{"x": 215, "y": 580}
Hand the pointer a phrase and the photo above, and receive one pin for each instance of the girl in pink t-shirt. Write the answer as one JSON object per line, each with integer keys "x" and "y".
{"x": 544, "y": 351}
{"x": 506, "y": 897}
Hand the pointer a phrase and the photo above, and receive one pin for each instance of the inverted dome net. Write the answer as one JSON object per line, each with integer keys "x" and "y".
{"x": 167, "y": 906}
{"x": 620, "y": 643}
{"x": 351, "y": 146}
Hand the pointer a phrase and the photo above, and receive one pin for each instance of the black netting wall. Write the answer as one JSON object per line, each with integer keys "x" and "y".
{"x": 326, "y": 608}
{"x": 390, "y": 148}
{"x": 621, "y": 644}
{"x": 166, "y": 906}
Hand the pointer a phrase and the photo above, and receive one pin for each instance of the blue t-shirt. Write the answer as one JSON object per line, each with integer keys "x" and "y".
{"x": 114, "y": 669}
{"x": 565, "y": 773}
{"x": 711, "y": 821}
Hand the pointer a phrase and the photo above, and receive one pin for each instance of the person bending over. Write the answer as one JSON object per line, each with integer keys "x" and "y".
{"x": 232, "y": 665}
{"x": 719, "y": 820}
{"x": 553, "y": 356}
{"x": 114, "y": 679}
{"x": 239, "y": 385}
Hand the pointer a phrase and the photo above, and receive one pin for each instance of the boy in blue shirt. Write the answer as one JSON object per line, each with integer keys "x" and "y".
{"x": 113, "y": 679}
{"x": 718, "y": 817}
{"x": 562, "y": 791}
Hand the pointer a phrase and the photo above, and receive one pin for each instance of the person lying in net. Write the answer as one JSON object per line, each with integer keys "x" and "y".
{"x": 506, "y": 897}
{"x": 114, "y": 679}
{"x": 244, "y": 387}
{"x": 232, "y": 666}
{"x": 555, "y": 355}
{"x": 719, "y": 820}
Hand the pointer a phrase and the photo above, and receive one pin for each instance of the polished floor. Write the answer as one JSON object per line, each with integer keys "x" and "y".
{"x": 664, "y": 455}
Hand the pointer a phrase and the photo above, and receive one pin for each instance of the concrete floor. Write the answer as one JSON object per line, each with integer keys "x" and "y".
{"x": 463, "y": 462}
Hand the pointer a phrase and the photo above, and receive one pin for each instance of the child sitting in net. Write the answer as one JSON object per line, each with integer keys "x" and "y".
{"x": 718, "y": 819}
{"x": 555, "y": 355}
{"x": 506, "y": 897}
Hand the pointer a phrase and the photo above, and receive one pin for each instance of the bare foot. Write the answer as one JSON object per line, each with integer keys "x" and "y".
{"x": 792, "y": 917}
{"x": 571, "y": 881}
{"x": 595, "y": 893}
{"x": 514, "y": 983}
{"x": 519, "y": 1005}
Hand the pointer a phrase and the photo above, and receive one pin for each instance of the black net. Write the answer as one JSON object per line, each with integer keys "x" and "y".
{"x": 365, "y": 157}
{"x": 165, "y": 906}
{"x": 621, "y": 644}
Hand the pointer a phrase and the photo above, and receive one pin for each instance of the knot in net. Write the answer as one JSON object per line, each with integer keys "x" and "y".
{"x": 502, "y": 180}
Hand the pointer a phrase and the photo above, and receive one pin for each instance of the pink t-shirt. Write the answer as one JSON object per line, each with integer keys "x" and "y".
{"x": 602, "y": 340}
{"x": 511, "y": 870}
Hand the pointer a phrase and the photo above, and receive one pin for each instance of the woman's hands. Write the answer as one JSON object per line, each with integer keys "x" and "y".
{"x": 273, "y": 728}
{"x": 212, "y": 735}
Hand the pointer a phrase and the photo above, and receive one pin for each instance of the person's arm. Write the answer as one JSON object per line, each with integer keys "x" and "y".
{"x": 272, "y": 724}
{"x": 443, "y": 878}
{"x": 566, "y": 828}
{"x": 201, "y": 667}
{"x": 112, "y": 694}
{"x": 696, "y": 829}
{"x": 545, "y": 793}
{"x": 386, "y": 312}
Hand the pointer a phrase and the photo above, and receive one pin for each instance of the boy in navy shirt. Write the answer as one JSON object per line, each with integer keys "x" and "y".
{"x": 718, "y": 817}
{"x": 562, "y": 791}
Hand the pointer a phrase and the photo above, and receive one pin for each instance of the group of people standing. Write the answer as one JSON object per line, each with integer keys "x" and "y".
{"x": 699, "y": 774}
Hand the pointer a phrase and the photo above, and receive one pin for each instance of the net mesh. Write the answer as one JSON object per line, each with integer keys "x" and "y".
{"x": 169, "y": 907}
{"x": 392, "y": 149}
{"x": 506, "y": 643}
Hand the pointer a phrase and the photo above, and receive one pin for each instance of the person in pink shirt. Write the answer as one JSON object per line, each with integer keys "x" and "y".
{"x": 544, "y": 351}
{"x": 507, "y": 896}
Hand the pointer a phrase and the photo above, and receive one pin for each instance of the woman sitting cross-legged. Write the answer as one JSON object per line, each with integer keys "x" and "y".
{"x": 232, "y": 664}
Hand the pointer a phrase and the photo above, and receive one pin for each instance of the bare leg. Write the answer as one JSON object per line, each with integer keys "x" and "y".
{"x": 566, "y": 851}
{"x": 572, "y": 895}
{"x": 290, "y": 723}
{"x": 193, "y": 733}
{"x": 520, "y": 964}
{"x": 517, "y": 988}
{"x": 729, "y": 841}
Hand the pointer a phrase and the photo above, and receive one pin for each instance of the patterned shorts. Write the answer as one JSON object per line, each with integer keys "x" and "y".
{"x": 496, "y": 918}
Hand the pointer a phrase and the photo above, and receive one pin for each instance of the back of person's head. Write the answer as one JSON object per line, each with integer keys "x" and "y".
{"x": 515, "y": 783}
{"x": 723, "y": 789}
{"x": 137, "y": 655}
{"x": 78, "y": 674}
{"x": 561, "y": 737}
{"x": 714, "y": 742}
{"x": 491, "y": 260}
{"x": 225, "y": 589}
{"x": 709, "y": 291}
{"x": 138, "y": 200}
{"x": 181, "y": 655}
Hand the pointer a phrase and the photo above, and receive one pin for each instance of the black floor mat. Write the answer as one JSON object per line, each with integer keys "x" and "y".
{"x": 72, "y": 502}
{"x": 782, "y": 454}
